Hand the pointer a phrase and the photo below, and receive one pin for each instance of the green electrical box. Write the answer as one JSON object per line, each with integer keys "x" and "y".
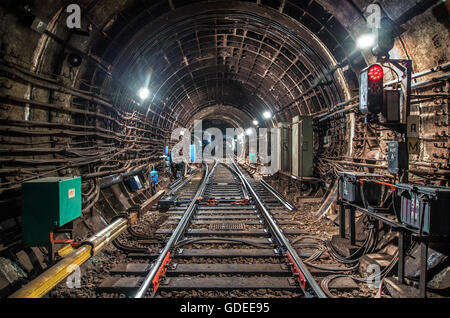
{"x": 48, "y": 204}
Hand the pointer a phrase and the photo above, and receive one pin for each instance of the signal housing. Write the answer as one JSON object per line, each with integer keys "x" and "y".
{"x": 371, "y": 90}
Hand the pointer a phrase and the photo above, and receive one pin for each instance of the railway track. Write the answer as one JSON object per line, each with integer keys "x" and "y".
{"x": 225, "y": 234}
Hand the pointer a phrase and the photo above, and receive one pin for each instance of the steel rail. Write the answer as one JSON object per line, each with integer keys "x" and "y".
{"x": 179, "y": 185}
{"x": 176, "y": 234}
{"x": 175, "y": 183}
{"x": 283, "y": 241}
{"x": 243, "y": 187}
{"x": 278, "y": 195}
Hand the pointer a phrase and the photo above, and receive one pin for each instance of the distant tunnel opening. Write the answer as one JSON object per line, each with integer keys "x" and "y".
{"x": 102, "y": 102}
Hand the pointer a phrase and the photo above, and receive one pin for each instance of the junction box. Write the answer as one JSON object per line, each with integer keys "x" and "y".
{"x": 350, "y": 187}
{"x": 154, "y": 176}
{"x": 134, "y": 183}
{"x": 48, "y": 204}
{"x": 425, "y": 208}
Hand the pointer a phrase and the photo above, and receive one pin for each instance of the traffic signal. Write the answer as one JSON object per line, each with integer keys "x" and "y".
{"x": 371, "y": 90}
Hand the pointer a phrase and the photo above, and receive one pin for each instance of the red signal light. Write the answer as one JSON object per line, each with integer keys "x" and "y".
{"x": 375, "y": 73}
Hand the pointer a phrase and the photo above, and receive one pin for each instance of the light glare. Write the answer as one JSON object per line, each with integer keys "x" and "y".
{"x": 366, "y": 41}
{"x": 255, "y": 122}
{"x": 267, "y": 114}
{"x": 144, "y": 93}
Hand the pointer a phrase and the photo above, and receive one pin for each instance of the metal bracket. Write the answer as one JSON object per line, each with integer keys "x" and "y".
{"x": 292, "y": 281}
{"x": 164, "y": 281}
{"x": 173, "y": 266}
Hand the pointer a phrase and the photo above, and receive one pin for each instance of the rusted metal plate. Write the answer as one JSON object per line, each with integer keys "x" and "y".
{"x": 413, "y": 126}
{"x": 413, "y": 146}
{"x": 228, "y": 283}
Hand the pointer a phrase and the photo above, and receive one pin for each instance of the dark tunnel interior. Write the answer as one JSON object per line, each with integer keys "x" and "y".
{"x": 93, "y": 95}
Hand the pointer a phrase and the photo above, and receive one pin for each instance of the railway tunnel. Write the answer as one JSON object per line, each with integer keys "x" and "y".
{"x": 231, "y": 149}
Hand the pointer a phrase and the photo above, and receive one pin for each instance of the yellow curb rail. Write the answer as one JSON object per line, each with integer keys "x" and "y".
{"x": 73, "y": 258}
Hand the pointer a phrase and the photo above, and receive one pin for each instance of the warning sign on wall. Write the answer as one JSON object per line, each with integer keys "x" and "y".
{"x": 413, "y": 126}
{"x": 413, "y": 146}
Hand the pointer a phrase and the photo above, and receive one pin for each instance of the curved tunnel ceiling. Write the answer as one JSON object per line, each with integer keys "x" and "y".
{"x": 230, "y": 114}
{"x": 247, "y": 55}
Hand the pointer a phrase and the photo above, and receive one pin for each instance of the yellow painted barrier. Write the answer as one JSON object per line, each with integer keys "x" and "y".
{"x": 73, "y": 258}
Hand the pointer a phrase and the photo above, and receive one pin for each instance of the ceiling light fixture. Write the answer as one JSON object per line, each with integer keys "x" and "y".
{"x": 144, "y": 93}
{"x": 366, "y": 41}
